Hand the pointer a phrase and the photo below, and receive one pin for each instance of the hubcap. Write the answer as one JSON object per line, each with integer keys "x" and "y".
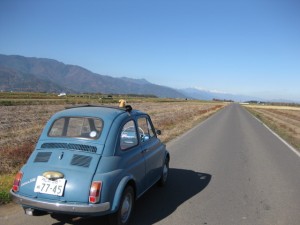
{"x": 165, "y": 172}
{"x": 126, "y": 208}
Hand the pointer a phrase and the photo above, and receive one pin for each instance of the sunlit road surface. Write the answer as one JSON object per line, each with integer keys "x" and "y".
{"x": 228, "y": 170}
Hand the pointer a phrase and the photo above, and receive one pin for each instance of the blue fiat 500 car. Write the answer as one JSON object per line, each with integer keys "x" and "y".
{"x": 92, "y": 161}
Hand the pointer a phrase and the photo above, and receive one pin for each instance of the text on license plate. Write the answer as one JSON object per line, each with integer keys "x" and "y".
{"x": 46, "y": 186}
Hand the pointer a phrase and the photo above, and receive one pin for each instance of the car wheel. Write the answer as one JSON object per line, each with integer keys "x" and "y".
{"x": 122, "y": 216}
{"x": 165, "y": 173}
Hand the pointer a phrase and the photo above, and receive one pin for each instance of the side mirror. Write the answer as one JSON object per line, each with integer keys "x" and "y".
{"x": 158, "y": 132}
{"x": 144, "y": 138}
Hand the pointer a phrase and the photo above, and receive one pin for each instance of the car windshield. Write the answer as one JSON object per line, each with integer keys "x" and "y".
{"x": 78, "y": 127}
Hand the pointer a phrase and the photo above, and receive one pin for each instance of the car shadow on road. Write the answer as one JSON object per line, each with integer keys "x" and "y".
{"x": 157, "y": 203}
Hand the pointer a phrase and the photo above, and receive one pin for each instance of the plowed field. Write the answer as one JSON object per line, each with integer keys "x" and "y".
{"x": 20, "y": 126}
{"x": 283, "y": 120}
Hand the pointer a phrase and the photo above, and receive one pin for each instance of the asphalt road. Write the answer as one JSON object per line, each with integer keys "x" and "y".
{"x": 228, "y": 170}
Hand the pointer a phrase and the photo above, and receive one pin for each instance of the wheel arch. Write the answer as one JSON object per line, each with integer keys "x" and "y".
{"x": 126, "y": 181}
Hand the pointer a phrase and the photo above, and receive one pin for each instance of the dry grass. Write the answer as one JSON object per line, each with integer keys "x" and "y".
{"x": 23, "y": 124}
{"x": 283, "y": 120}
{"x": 20, "y": 126}
{"x": 174, "y": 119}
{"x": 294, "y": 108}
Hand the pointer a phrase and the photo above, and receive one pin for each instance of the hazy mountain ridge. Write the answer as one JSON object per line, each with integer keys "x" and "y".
{"x": 210, "y": 95}
{"x": 18, "y": 73}
{"x": 11, "y": 79}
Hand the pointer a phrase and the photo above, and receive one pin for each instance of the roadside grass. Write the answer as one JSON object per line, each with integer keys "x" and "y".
{"x": 11, "y": 160}
{"x": 6, "y": 181}
{"x": 285, "y": 131}
{"x": 21, "y": 125}
{"x": 295, "y": 107}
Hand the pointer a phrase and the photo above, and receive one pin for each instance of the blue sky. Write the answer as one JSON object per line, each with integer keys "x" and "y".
{"x": 249, "y": 47}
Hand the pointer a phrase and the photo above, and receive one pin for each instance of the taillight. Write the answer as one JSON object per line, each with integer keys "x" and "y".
{"x": 17, "y": 181}
{"x": 95, "y": 192}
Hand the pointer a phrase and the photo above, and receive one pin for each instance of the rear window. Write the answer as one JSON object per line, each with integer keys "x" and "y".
{"x": 79, "y": 127}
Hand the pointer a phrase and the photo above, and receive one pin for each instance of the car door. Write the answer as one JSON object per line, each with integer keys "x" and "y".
{"x": 151, "y": 149}
{"x": 132, "y": 156}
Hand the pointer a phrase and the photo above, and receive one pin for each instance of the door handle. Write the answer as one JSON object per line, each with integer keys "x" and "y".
{"x": 145, "y": 151}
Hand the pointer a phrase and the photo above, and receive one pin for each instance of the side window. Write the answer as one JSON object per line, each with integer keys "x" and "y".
{"x": 128, "y": 137}
{"x": 145, "y": 129}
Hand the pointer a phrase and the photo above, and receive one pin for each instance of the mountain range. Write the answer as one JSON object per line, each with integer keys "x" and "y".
{"x": 210, "y": 95}
{"x": 19, "y": 73}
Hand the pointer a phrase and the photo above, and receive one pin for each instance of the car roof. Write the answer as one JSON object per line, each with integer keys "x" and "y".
{"x": 103, "y": 111}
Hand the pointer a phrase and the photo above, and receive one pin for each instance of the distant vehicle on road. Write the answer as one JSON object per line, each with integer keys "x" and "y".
{"x": 62, "y": 94}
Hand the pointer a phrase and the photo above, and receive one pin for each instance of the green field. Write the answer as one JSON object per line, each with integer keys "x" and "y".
{"x": 31, "y": 98}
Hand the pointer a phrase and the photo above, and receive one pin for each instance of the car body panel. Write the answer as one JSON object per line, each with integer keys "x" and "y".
{"x": 76, "y": 166}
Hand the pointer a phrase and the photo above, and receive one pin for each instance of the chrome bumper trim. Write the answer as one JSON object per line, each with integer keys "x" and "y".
{"x": 60, "y": 207}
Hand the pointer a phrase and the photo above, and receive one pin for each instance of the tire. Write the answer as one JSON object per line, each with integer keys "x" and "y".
{"x": 123, "y": 215}
{"x": 165, "y": 173}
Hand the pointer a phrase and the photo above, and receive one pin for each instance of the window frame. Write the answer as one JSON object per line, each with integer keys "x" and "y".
{"x": 150, "y": 130}
{"x": 66, "y": 126}
{"x": 120, "y": 136}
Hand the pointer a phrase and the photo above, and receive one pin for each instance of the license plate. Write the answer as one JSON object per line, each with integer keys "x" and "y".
{"x": 46, "y": 186}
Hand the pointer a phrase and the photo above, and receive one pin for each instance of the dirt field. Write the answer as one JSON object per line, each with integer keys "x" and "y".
{"x": 20, "y": 126}
{"x": 284, "y": 120}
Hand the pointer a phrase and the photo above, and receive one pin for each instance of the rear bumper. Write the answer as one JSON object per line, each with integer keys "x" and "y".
{"x": 80, "y": 209}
